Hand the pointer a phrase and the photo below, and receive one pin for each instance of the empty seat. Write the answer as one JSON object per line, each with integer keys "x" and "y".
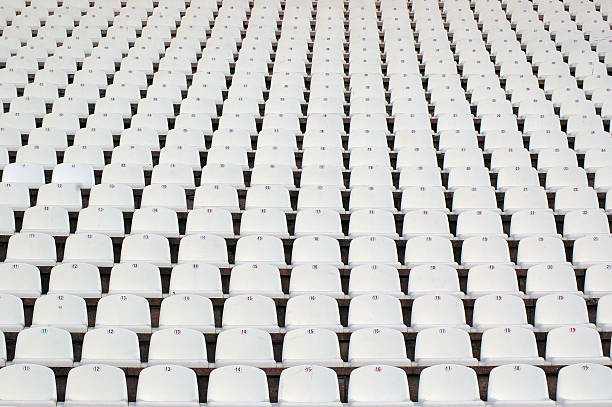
{"x": 312, "y": 311}
{"x": 545, "y": 279}
{"x": 509, "y": 344}
{"x": 203, "y": 248}
{"x": 196, "y": 278}
{"x": 260, "y": 249}
{"x": 125, "y": 311}
{"x": 518, "y": 384}
{"x": 534, "y": 250}
{"x": 308, "y": 385}
{"x": 490, "y": 278}
{"x": 555, "y": 310}
{"x": 311, "y": 345}
{"x": 167, "y": 384}
{"x": 377, "y": 346}
{"x": 433, "y": 279}
{"x": 245, "y": 346}
{"x": 47, "y": 346}
{"x": 590, "y": 250}
{"x": 20, "y": 279}
{"x": 96, "y": 384}
{"x": 237, "y": 385}
{"x": 250, "y": 311}
{"x": 111, "y": 346}
{"x": 376, "y": 310}
{"x": 494, "y": 310}
{"x": 64, "y": 311}
{"x": 28, "y": 384}
{"x": 378, "y": 385}
{"x": 584, "y": 384}
{"x": 147, "y": 248}
{"x": 429, "y": 249}
{"x": 485, "y": 250}
{"x": 12, "y": 316}
{"x": 443, "y": 344}
{"x": 449, "y": 384}
{"x": 433, "y": 310}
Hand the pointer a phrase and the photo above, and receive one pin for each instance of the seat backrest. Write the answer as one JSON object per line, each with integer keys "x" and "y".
{"x": 28, "y": 382}
{"x": 584, "y": 382}
{"x": 188, "y": 311}
{"x": 237, "y": 383}
{"x": 312, "y": 311}
{"x": 377, "y": 343}
{"x": 251, "y": 310}
{"x": 243, "y": 344}
{"x": 560, "y": 309}
{"x": 573, "y": 341}
{"x": 375, "y": 310}
{"x": 123, "y": 310}
{"x": 443, "y": 342}
{"x": 517, "y": 382}
{"x": 112, "y": 346}
{"x": 168, "y": 383}
{"x": 508, "y": 342}
{"x": 447, "y": 383}
{"x": 378, "y": 384}
{"x": 308, "y": 384}
{"x": 96, "y": 383}
{"x": 203, "y": 248}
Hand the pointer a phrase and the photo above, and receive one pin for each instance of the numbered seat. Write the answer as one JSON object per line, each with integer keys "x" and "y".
{"x": 238, "y": 384}
{"x": 311, "y": 345}
{"x": 28, "y": 384}
{"x": 96, "y": 384}
{"x": 312, "y": 311}
{"x": 449, "y": 384}
{"x": 308, "y": 385}
{"x": 124, "y": 311}
{"x": 244, "y": 346}
{"x": 250, "y": 311}
{"x": 376, "y": 310}
{"x": 65, "y": 311}
{"x": 167, "y": 384}
{"x": 518, "y": 384}
{"x": 111, "y": 346}
{"x": 47, "y": 346}
{"x": 509, "y": 344}
{"x": 377, "y": 346}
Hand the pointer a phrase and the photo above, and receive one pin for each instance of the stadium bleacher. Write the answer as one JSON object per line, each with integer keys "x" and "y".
{"x": 305, "y": 203}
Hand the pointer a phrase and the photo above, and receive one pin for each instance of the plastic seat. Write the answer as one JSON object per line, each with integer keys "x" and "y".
{"x": 371, "y": 386}
{"x": 167, "y": 384}
{"x": 250, "y": 311}
{"x": 216, "y": 196}
{"x": 437, "y": 311}
{"x": 65, "y": 311}
{"x": 509, "y": 344}
{"x": 263, "y": 221}
{"x": 377, "y": 346}
{"x": 522, "y": 198}
{"x": 47, "y": 346}
{"x": 125, "y": 311}
{"x": 449, "y": 384}
{"x": 433, "y": 279}
{"x": 317, "y": 346}
{"x": 472, "y": 223}
{"x": 224, "y": 381}
{"x": 308, "y": 385}
{"x": 203, "y": 248}
{"x": 540, "y": 249}
{"x": 569, "y": 344}
{"x": 268, "y": 196}
{"x": 597, "y": 280}
{"x": 573, "y": 198}
{"x": 428, "y": 198}
{"x": 262, "y": 279}
{"x": 318, "y": 222}
{"x": 584, "y": 383}
{"x": 14, "y": 196}
{"x": 545, "y": 279}
{"x": 312, "y": 311}
{"x": 375, "y": 310}
{"x": 434, "y": 345}
{"x": 187, "y": 311}
{"x": 29, "y": 174}
{"x": 518, "y": 384}
{"x": 429, "y": 249}
{"x": 111, "y": 346}
{"x": 147, "y": 248}
{"x": 260, "y": 249}
{"x": 533, "y": 222}
{"x": 96, "y": 384}
{"x": 561, "y": 177}
{"x": 34, "y": 248}
{"x": 52, "y": 220}
{"x": 223, "y": 174}
{"x": 555, "y": 310}
{"x": 591, "y": 250}
{"x": 196, "y": 278}
{"x": 244, "y": 346}
{"x": 374, "y": 279}
{"x": 320, "y": 196}
{"x": 28, "y": 384}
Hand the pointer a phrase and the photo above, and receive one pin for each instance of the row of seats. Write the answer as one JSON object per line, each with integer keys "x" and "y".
{"x": 55, "y": 220}
{"x": 307, "y": 385}
{"x": 131, "y": 311}
{"x": 97, "y": 249}
{"x": 51, "y": 346}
